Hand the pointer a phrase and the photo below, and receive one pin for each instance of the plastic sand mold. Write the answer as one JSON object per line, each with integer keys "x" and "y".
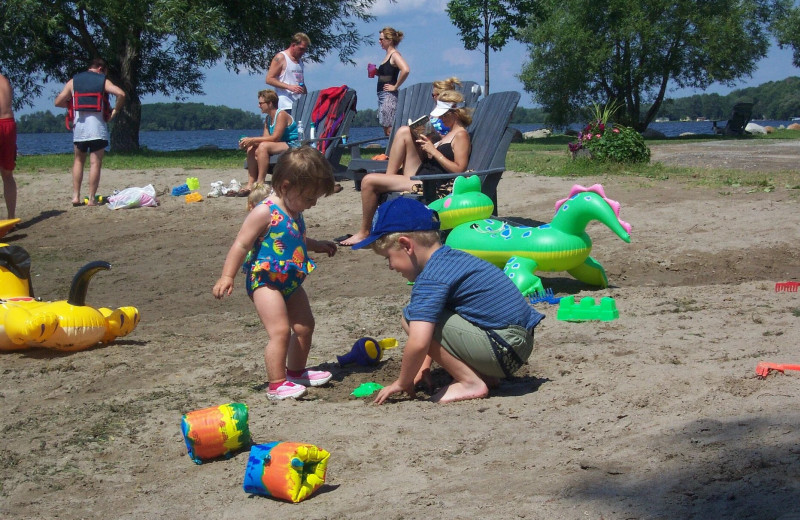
{"x": 214, "y": 432}
{"x": 587, "y": 309}
{"x": 366, "y": 389}
{"x": 287, "y": 470}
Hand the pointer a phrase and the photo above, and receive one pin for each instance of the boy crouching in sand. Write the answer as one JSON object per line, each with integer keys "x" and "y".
{"x": 464, "y": 312}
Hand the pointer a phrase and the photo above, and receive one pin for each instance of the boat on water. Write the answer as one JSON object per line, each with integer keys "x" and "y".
{"x": 662, "y": 120}
{"x": 795, "y": 119}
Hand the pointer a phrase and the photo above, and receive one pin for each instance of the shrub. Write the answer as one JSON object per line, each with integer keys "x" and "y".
{"x": 610, "y": 142}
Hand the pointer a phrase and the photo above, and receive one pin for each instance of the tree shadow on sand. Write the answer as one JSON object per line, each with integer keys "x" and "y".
{"x": 744, "y": 467}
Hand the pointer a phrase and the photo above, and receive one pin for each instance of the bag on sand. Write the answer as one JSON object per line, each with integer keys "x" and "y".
{"x": 133, "y": 198}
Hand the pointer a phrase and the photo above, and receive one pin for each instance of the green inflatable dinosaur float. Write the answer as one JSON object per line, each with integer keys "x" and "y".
{"x": 561, "y": 245}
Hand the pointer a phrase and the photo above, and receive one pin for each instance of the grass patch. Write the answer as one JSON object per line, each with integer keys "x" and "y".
{"x": 546, "y": 157}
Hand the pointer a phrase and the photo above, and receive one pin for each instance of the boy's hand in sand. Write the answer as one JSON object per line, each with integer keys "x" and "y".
{"x": 394, "y": 388}
{"x": 223, "y": 287}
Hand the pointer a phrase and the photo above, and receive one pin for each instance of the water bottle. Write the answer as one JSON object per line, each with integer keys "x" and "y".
{"x": 312, "y": 134}
{"x": 300, "y": 130}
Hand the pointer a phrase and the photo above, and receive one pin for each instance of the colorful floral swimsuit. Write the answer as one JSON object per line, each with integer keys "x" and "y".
{"x": 279, "y": 258}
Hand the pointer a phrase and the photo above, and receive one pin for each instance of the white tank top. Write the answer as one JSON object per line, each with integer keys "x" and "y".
{"x": 292, "y": 75}
{"x": 89, "y": 126}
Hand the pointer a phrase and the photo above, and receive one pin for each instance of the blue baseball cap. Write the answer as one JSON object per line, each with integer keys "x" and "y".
{"x": 400, "y": 215}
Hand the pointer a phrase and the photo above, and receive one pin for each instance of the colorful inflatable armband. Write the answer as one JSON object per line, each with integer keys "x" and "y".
{"x": 367, "y": 351}
{"x": 287, "y": 470}
{"x": 214, "y": 432}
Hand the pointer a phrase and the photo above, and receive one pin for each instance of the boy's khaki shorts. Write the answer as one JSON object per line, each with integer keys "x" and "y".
{"x": 499, "y": 357}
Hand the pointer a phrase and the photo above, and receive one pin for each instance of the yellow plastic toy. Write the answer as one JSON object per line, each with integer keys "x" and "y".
{"x": 67, "y": 325}
{"x": 287, "y": 470}
{"x": 214, "y": 432}
{"x": 7, "y": 225}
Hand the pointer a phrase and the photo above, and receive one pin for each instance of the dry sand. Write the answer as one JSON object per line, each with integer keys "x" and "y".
{"x": 657, "y": 414}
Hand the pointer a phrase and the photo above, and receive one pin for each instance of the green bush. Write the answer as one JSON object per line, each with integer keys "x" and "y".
{"x": 609, "y": 142}
{"x": 618, "y": 144}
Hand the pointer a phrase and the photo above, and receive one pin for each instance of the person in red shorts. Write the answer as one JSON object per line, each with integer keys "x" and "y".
{"x": 8, "y": 146}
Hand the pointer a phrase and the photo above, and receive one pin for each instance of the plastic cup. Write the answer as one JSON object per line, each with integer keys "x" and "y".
{"x": 371, "y": 70}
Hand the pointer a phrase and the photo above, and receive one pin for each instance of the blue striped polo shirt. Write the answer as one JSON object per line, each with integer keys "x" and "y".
{"x": 471, "y": 287}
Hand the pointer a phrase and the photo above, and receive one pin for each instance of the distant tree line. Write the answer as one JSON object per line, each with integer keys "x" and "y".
{"x": 773, "y": 100}
{"x": 158, "y": 116}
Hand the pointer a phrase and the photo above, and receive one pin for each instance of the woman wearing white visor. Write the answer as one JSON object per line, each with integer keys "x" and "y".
{"x": 415, "y": 154}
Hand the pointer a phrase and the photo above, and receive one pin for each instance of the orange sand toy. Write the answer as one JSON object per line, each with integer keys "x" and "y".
{"x": 763, "y": 368}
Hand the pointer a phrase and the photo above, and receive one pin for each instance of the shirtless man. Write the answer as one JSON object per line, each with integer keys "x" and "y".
{"x": 286, "y": 72}
{"x": 8, "y": 146}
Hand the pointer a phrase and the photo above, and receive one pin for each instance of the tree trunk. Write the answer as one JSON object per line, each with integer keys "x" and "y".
{"x": 485, "y": 50}
{"x": 125, "y": 132}
{"x": 125, "y": 127}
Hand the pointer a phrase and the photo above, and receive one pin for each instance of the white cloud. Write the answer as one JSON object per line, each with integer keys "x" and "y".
{"x": 387, "y": 8}
{"x": 460, "y": 57}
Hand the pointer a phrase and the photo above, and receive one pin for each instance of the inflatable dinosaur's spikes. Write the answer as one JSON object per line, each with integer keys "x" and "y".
{"x": 67, "y": 325}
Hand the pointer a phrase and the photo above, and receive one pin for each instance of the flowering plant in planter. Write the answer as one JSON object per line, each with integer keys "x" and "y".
{"x": 606, "y": 141}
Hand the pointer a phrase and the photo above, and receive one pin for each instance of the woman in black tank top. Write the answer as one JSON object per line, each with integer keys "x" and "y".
{"x": 391, "y": 73}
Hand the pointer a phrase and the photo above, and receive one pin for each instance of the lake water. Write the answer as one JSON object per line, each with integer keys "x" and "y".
{"x": 37, "y": 144}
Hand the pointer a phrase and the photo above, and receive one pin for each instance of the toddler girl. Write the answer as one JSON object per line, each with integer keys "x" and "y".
{"x": 272, "y": 249}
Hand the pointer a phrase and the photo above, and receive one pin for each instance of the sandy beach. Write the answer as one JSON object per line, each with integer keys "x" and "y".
{"x": 655, "y": 415}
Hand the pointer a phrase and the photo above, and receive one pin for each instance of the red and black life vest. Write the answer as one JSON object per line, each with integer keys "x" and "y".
{"x": 88, "y": 95}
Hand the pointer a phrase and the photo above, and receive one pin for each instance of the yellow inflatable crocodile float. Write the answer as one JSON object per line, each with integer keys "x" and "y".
{"x": 67, "y": 325}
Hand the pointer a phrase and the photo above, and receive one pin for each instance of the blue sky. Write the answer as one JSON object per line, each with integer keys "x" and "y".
{"x": 433, "y": 50}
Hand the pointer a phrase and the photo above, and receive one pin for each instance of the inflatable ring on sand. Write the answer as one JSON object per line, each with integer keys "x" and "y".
{"x": 67, "y": 325}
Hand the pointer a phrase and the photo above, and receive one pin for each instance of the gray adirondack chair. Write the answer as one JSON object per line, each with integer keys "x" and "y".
{"x": 490, "y": 137}
{"x": 301, "y": 112}
{"x": 741, "y": 114}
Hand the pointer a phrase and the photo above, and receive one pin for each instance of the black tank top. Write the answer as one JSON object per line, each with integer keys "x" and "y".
{"x": 431, "y": 165}
{"x": 387, "y": 70}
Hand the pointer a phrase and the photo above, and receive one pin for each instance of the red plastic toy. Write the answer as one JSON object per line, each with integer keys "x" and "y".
{"x": 763, "y": 368}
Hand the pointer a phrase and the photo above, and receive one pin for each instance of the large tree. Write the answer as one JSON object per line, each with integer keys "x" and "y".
{"x": 162, "y": 46}
{"x": 489, "y": 23}
{"x": 787, "y": 30}
{"x": 628, "y": 53}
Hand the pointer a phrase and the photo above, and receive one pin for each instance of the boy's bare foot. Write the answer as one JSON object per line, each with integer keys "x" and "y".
{"x": 353, "y": 240}
{"x": 460, "y": 392}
